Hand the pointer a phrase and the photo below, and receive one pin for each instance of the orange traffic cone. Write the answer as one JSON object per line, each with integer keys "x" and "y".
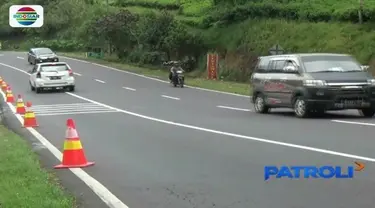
{"x": 20, "y": 106}
{"x": 4, "y": 86}
{"x": 73, "y": 155}
{"x": 1, "y": 80}
{"x": 29, "y": 119}
{"x": 9, "y": 95}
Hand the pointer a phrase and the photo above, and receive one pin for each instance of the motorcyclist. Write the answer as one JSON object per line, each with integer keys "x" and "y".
{"x": 176, "y": 67}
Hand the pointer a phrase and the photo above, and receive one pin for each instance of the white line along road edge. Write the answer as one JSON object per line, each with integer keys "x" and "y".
{"x": 232, "y": 108}
{"x": 20, "y": 57}
{"x": 353, "y": 122}
{"x": 151, "y": 78}
{"x": 313, "y": 149}
{"x": 104, "y": 194}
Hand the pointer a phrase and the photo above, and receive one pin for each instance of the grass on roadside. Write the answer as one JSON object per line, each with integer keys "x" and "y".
{"x": 224, "y": 86}
{"x": 23, "y": 182}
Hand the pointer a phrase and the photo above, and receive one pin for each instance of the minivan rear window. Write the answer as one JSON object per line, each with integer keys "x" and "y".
{"x": 330, "y": 63}
{"x": 54, "y": 67}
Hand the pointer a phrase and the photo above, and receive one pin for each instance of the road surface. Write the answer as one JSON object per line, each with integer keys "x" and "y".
{"x": 156, "y": 146}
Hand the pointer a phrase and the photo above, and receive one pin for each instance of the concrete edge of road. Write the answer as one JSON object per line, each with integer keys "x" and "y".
{"x": 152, "y": 78}
{"x": 100, "y": 190}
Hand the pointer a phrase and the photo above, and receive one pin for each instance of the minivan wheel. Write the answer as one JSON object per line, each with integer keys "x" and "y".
{"x": 260, "y": 105}
{"x": 38, "y": 90}
{"x": 367, "y": 112}
{"x": 300, "y": 107}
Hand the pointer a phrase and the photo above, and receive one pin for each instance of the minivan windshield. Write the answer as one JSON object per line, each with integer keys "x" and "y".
{"x": 41, "y": 51}
{"x": 54, "y": 68}
{"x": 330, "y": 64}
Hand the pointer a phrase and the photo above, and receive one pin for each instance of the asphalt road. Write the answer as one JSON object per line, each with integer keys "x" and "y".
{"x": 151, "y": 163}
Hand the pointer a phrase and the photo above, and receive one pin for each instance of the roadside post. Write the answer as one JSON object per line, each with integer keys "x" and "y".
{"x": 212, "y": 65}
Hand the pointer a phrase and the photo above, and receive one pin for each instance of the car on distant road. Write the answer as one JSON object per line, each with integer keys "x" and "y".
{"x": 312, "y": 84}
{"x": 40, "y": 55}
{"x": 57, "y": 75}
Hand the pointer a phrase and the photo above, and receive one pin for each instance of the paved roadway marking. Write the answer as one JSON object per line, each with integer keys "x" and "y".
{"x": 128, "y": 88}
{"x": 69, "y": 109}
{"x": 20, "y": 57}
{"x": 232, "y": 108}
{"x": 98, "y": 80}
{"x": 353, "y": 122}
{"x": 169, "y": 97}
{"x": 75, "y": 73}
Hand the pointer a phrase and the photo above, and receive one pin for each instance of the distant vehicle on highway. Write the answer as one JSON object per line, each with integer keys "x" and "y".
{"x": 312, "y": 84}
{"x": 40, "y": 55}
{"x": 56, "y": 75}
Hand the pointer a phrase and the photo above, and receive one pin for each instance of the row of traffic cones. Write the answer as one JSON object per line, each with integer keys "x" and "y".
{"x": 73, "y": 154}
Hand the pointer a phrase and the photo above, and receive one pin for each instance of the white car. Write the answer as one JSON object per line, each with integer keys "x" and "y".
{"x": 54, "y": 75}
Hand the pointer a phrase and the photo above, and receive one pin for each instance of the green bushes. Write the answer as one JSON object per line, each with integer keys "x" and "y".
{"x": 148, "y": 38}
{"x": 293, "y": 10}
{"x": 150, "y": 4}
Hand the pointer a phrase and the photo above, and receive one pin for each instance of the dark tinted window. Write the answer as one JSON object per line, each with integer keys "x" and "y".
{"x": 262, "y": 64}
{"x": 330, "y": 63}
{"x": 40, "y": 51}
{"x": 54, "y": 67}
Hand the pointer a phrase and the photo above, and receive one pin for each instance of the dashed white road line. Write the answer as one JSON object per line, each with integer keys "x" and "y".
{"x": 128, "y": 88}
{"x": 353, "y": 122}
{"x": 99, "y": 189}
{"x": 1, "y": 54}
{"x": 20, "y": 57}
{"x": 75, "y": 73}
{"x": 101, "y": 81}
{"x": 169, "y": 97}
{"x": 232, "y": 108}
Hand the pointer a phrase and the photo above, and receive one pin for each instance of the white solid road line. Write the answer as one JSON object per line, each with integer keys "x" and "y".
{"x": 313, "y": 149}
{"x": 155, "y": 79}
{"x": 99, "y": 189}
{"x": 98, "y": 80}
{"x": 169, "y": 97}
{"x": 75, "y": 73}
{"x": 128, "y": 88}
{"x": 20, "y": 57}
{"x": 74, "y": 113}
{"x": 353, "y": 122}
{"x": 232, "y": 108}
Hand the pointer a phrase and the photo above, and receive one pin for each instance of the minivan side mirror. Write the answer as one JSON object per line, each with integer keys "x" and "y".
{"x": 290, "y": 69}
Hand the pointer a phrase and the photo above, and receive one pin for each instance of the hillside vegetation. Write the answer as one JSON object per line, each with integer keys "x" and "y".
{"x": 148, "y": 32}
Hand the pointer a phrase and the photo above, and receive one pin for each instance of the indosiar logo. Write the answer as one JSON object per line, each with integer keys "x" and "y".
{"x": 26, "y": 16}
{"x": 312, "y": 172}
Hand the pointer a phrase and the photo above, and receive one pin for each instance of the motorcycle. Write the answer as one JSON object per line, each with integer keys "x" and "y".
{"x": 179, "y": 79}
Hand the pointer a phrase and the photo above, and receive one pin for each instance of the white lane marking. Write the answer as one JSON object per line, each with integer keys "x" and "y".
{"x": 1, "y": 54}
{"x": 155, "y": 79}
{"x": 75, "y": 113}
{"x": 128, "y": 88}
{"x": 169, "y": 97}
{"x": 98, "y": 80}
{"x": 74, "y": 108}
{"x": 353, "y": 122}
{"x": 20, "y": 57}
{"x": 232, "y": 108}
{"x": 75, "y": 73}
{"x": 101, "y": 191}
{"x": 330, "y": 152}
